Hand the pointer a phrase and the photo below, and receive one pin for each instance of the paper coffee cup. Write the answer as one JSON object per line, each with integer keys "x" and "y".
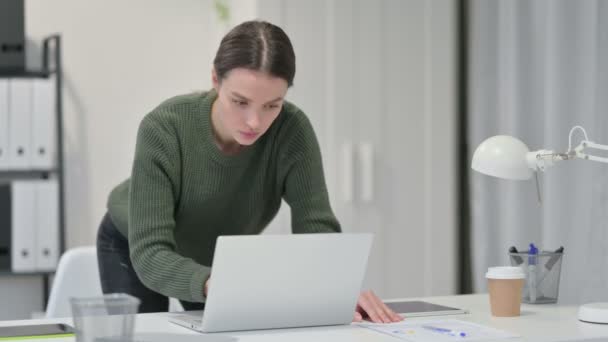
{"x": 505, "y": 285}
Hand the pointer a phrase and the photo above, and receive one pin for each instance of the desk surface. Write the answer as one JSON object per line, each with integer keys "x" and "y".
{"x": 543, "y": 322}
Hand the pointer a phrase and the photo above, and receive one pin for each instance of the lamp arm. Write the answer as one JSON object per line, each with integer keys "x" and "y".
{"x": 579, "y": 151}
{"x": 541, "y": 159}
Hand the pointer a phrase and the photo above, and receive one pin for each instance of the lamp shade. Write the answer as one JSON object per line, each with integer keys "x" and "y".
{"x": 502, "y": 156}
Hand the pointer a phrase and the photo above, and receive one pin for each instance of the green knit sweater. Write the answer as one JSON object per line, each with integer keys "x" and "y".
{"x": 184, "y": 192}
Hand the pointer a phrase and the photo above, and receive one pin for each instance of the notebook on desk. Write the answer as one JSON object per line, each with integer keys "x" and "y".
{"x": 418, "y": 308}
{"x": 35, "y": 331}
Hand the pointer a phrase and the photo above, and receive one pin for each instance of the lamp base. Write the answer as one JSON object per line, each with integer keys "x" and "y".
{"x": 594, "y": 313}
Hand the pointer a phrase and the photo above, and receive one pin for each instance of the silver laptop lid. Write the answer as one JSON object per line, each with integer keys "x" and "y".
{"x": 280, "y": 281}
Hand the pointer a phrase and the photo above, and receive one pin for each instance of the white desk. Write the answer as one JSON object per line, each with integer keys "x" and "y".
{"x": 548, "y": 322}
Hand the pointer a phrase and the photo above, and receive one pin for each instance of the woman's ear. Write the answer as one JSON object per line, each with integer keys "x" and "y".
{"x": 214, "y": 80}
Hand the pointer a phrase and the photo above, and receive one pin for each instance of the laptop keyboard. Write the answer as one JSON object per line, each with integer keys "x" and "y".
{"x": 190, "y": 319}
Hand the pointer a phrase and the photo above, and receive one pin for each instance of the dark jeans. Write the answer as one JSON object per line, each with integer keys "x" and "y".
{"x": 117, "y": 273}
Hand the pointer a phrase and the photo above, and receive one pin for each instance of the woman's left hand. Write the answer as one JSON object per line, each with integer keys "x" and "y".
{"x": 369, "y": 306}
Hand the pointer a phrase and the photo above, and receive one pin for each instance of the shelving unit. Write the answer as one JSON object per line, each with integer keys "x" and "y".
{"x": 51, "y": 67}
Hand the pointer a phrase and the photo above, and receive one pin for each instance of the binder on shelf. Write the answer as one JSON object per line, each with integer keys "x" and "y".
{"x": 47, "y": 224}
{"x": 43, "y": 151}
{"x": 23, "y": 226}
{"x": 5, "y": 227}
{"x": 4, "y": 124}
{"x": 20, "y": 111}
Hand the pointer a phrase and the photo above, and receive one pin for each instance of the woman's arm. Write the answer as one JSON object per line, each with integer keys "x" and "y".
{"x": 155, "y": 186}
{"x": 305, "y": 190}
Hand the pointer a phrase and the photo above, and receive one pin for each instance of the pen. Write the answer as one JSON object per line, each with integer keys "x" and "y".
{"x": 549, "y": 264}
{"x": 532, "y": 254}
{"x": 554, "y": 258}
{"x": 518, "y": 260}
{"x": 445, "y": 331}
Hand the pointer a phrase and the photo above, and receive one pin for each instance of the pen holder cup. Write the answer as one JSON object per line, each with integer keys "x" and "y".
{"x": 108, "y": 318}
{"x": 542, "y": 275}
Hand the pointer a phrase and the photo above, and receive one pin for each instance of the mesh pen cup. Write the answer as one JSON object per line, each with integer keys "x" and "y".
{"x": 542, "y": 275}
{"x": 108, "y": 318}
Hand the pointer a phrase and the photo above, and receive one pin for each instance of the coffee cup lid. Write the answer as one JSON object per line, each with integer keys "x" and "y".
{"x": 505, "y": 272}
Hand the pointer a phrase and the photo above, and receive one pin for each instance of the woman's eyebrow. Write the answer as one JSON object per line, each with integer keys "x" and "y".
{"x": 241, "y": 97}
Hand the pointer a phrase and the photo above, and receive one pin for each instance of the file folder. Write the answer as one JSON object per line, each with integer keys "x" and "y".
{"x": 5, "y": 227}
{"x": 47, "y": 224}
{"x": 43, "y": 152}
{"x": 23, "y": 226}
{"x": 20, "y": 110}
{"x": 3, "y": 124}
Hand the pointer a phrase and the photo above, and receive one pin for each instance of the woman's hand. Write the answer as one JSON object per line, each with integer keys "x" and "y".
{"x": 369, "y": 306}
{"x": 206, "y": 287}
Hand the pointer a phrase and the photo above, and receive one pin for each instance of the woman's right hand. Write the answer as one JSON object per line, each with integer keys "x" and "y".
{"x": 206, "y": 287}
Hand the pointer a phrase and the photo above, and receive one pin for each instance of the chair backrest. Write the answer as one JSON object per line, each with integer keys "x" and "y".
{"x": 77, "y": 276}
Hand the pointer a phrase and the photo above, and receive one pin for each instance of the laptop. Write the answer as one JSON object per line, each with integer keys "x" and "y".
{"x": 282, "y": 281}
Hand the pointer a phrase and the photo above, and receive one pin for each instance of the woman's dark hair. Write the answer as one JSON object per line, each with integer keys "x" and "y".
{"x": 256, "y": 45}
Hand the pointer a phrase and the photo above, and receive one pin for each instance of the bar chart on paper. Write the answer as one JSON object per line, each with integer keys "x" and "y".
{"x": 440, "y": 330}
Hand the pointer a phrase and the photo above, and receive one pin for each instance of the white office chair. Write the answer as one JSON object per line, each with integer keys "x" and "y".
{"x": 78, "y": 276}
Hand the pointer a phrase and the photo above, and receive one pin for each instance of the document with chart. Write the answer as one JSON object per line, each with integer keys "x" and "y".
{"x": 439, "y": 330}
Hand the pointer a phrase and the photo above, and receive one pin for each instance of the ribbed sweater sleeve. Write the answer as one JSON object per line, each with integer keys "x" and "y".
{"x": 305, "y": 190}
{"x": 155, "y": 186}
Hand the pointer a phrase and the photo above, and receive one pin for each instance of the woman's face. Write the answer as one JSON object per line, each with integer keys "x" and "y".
{"x": 248, "y": 102}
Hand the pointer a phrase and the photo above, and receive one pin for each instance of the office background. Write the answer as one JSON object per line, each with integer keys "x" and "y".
{"x": 399, "y": 92}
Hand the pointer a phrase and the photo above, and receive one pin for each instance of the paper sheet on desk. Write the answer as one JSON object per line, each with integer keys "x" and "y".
{"x": 439, "y": 330}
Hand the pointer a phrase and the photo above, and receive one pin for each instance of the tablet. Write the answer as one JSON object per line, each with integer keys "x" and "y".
{"x": 421, "y": 308}
{"x": 36, "y": 331}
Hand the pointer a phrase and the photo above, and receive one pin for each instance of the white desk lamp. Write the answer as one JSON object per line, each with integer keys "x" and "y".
{"x": 507, "y": 157}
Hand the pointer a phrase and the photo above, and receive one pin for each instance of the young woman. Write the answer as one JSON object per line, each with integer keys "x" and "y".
{"x": 217, "y": 163}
